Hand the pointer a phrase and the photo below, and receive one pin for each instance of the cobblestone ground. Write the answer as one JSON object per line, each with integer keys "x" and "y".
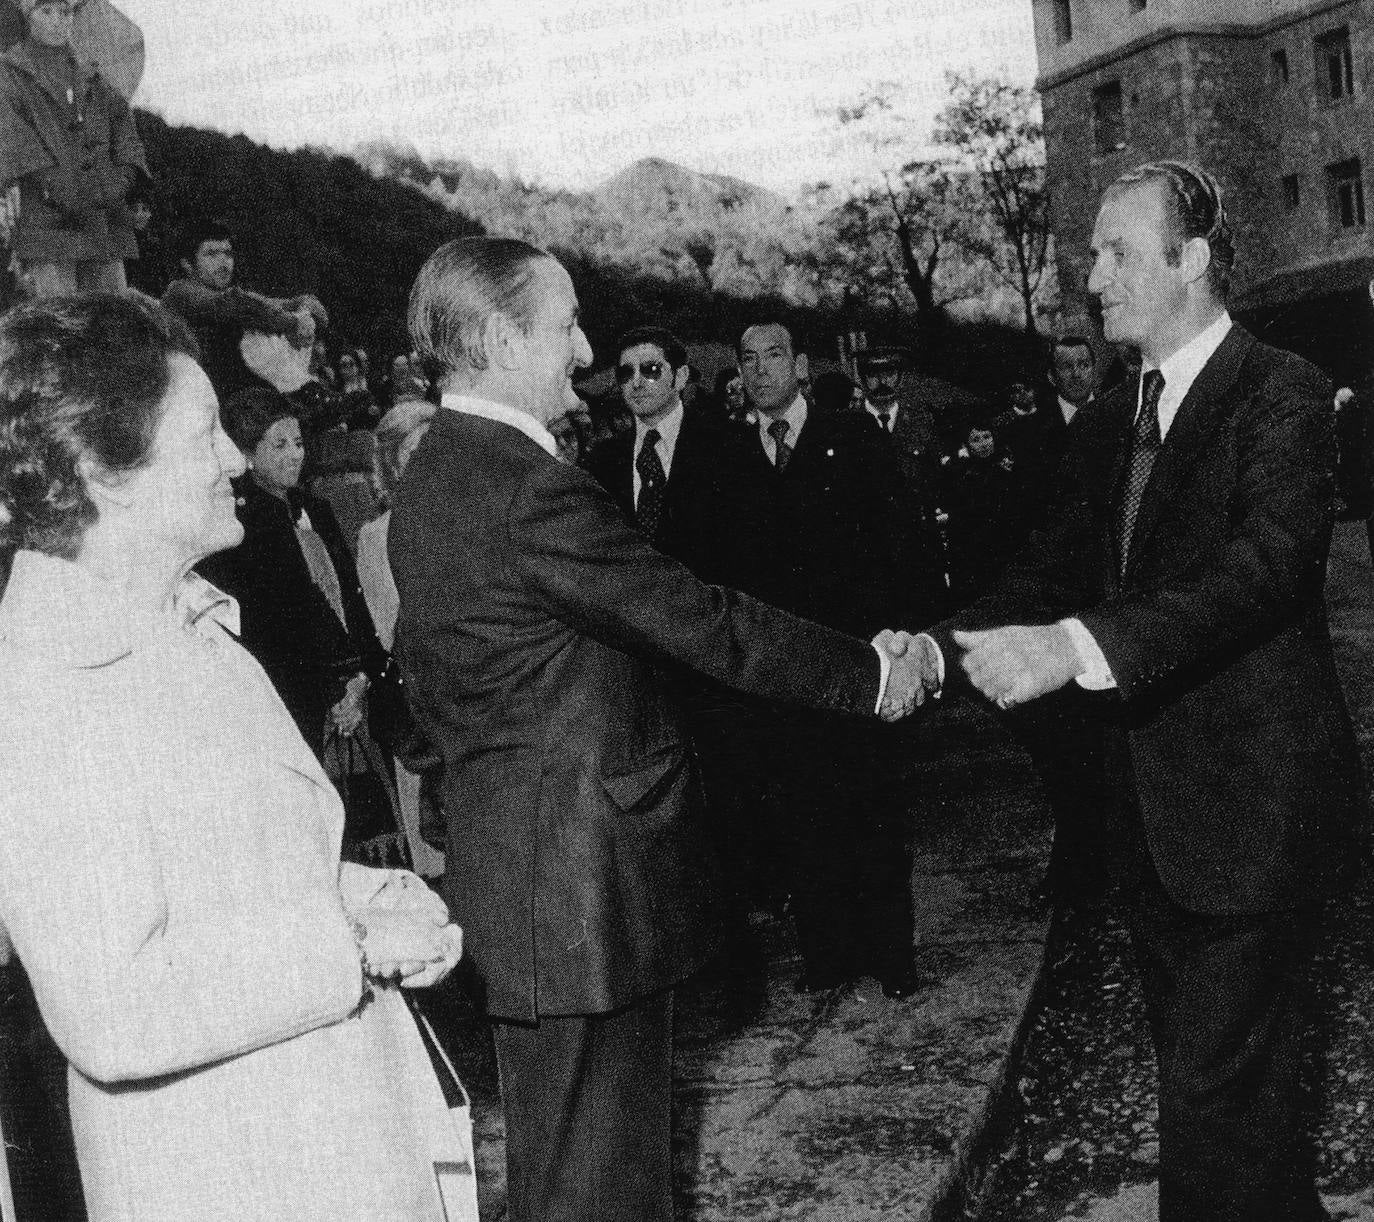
{"x": 1085, "y": 1144}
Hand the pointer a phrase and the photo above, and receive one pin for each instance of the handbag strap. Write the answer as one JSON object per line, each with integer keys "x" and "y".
{"x": 427, "y": 1034}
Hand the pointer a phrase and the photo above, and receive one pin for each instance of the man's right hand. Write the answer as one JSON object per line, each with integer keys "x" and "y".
{"x": 915, "y": 673}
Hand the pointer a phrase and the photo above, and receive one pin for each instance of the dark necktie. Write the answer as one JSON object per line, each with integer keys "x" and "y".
{"x": 782, "y": 453}
{"x": 885, "y": 419}
{"x": 1145, "y": 445}
{"x": 653, "y": 485}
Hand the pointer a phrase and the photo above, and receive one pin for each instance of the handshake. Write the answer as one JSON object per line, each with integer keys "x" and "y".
{"x": 915, "y": 672}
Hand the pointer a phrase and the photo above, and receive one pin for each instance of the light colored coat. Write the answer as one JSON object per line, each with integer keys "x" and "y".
{"x": 170, "y": 881}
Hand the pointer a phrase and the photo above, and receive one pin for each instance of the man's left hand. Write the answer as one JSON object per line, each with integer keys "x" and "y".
{"x": 1018, "y": 663}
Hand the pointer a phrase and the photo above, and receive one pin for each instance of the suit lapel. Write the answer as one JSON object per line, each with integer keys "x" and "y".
{"x": 1198, "y": 415}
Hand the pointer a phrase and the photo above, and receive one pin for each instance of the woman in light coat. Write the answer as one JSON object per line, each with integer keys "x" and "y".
{"x": 170, "y": 880}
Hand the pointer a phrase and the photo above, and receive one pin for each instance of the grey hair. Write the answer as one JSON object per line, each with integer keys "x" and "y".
{"x": 460, "y": 287}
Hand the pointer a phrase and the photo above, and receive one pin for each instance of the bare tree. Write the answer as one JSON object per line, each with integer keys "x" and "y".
{"x": 994, "y": 128}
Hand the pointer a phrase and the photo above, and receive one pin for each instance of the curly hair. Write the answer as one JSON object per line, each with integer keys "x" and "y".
{"x": 82, "y": 381}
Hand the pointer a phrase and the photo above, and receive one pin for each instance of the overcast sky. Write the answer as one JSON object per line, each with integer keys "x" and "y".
{"x": 567, "y": 92}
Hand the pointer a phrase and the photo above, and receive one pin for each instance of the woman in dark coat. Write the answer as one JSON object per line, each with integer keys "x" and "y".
{"x": 302, "y": 611}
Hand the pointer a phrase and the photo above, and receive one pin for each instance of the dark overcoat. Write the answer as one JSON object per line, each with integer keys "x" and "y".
{"x": 534, "y": 624}
{"x": 1232, "y": 733}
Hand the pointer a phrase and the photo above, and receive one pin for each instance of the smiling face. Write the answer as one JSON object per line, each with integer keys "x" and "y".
{"x": 650, "y": 399}
{"x": 181, "y": 500}
{"x": 772, "y": 372}
{"x": 551, "y": 347}
{"x": 1144, "y": 296}
{"x": 279, "y": 456}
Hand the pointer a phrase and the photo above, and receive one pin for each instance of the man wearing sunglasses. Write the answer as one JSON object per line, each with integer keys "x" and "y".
{"x": 662, "y": 474}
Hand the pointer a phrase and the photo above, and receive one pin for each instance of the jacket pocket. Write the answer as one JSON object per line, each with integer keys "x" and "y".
{"x": 645, "y": 777}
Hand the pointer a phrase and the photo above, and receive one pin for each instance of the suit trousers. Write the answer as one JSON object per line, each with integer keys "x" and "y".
{"x": 1224, "y": 995}
{"x": 587, "y": 1104}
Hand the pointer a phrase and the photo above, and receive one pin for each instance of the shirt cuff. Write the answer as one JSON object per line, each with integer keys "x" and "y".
{"x": 1097, "y": 675}
{"x": 884, "y": 670}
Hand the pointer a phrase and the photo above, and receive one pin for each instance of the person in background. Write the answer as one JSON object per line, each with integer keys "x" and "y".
{"x": 221, "y": 986}
{"x": 302, "y": 609}
{"x": 985, "y": 498}
{"x": 399, "y": 432}
{"x": 68, "y": 141}
{"x": 360, "y": 410}
{"x": 221, "y": 313}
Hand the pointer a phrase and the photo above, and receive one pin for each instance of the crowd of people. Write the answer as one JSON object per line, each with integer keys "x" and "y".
{"x": 629, "y": 673}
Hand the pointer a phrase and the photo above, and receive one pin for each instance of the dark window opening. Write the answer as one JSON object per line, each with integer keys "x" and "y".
{"x": 1138, "y": 6}
{"x": 1335, "y": 65}
{"x": 1292, "y": 192}
{"x": 1063, "y": 22}
{"x": 1109, "y": 118}
{"x": 1347, "y": 193}
{"x": 1278, "y": 67}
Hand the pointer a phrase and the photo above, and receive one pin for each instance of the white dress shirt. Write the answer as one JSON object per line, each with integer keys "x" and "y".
{"x": 795, "y": 415}
{"x": 877, "y": 414}
{"x": 503, "y": 413}
{"x": 1180, "y": 371}
{"x": 668, "y": 429}
{"x": 1068, "y": 410}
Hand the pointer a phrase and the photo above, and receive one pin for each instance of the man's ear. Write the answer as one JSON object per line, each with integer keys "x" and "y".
{"x": 1195, "y": 258}
{"x": 680, "y": 377}
{"x": 801, "y": 366}
{"x": 102, "y": 488}
{"x": 501, "y": 339}
{"x": 189, "y": 268}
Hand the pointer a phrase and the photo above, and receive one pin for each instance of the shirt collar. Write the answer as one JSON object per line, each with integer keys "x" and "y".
{"x": 668, "y": 429}
{"x": 877, "y": 412}
{"x": 503, "y": 413}
{"x": 61, "y": 610}
{"x": 795, "y": 415}
{"x": 1181, "y": 369}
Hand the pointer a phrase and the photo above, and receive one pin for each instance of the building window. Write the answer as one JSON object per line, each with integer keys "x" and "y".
{"x": 1278, "y": 67}
{"x": 1292, "y": 192}
{"x": 1109, "y": 120}
{"x": 1335, "y": 65}
{"x": 1347, "y": 193}
{"x": 1138, "y": 6}
{"x": 1063, "y": 22}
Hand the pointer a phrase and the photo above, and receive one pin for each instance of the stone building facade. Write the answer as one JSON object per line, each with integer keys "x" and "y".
{"x": 1276, "y": 97}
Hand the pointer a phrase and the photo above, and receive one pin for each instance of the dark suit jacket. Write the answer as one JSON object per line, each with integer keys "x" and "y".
{"x": 1234, "y": 732}
{"x": 822, "y": 539}
{"x": 533, "y": 624}
{"x": 287, "y": 623}
{"x": 692, "y": 517}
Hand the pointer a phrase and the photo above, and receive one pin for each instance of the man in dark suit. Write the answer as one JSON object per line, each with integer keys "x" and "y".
{"x": 915, "y": 439}
{"x": 663, "y": 472}
{"x": 1185, "y": 574}
{"x": 815, "y": 498}
{"x": 533, "y": 623}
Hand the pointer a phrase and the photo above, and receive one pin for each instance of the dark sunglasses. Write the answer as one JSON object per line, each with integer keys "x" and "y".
{"x": 650, "y": 371}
